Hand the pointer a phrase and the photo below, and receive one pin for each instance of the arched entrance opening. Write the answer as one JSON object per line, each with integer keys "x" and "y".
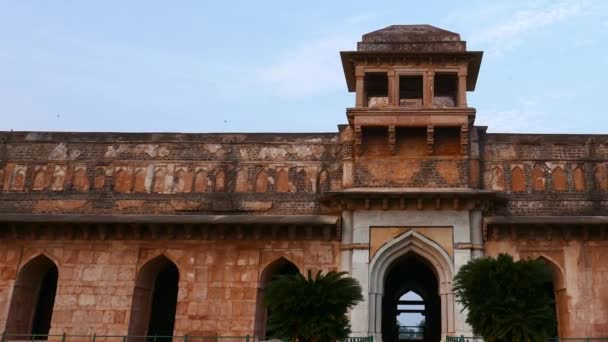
{"x": 411, "y": 262}
{"x": 278, "y": 267}
{"x": 411, "y": 306}
{"x": 556, "y": 289}
{"x": 31, "y": 307}
{"x": 154, "y": 299}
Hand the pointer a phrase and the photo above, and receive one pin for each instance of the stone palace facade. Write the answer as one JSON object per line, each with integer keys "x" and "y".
{"x": 178, "y": 234}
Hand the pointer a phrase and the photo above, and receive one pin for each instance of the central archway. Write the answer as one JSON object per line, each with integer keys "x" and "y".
{"x": 411, "y": 306}
{"x": 416, "y": 254}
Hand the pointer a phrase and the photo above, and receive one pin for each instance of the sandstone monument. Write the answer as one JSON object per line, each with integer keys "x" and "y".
{"x": 178, "y": 234}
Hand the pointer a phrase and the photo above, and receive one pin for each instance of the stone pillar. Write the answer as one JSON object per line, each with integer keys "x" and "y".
{"x": 360, "y": 87}
{"x": 476, "y": 217}
{"x": 393, "y": 97}
{"x": 428, "y": 84}
{"x": 347, "y": 239}
{"x": 359, "y": 314}
{"x": 462, "y": 89}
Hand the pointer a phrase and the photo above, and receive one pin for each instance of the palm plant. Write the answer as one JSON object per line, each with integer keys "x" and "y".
{"x": 311, "y": 308}
{"x": 507, "y": 300}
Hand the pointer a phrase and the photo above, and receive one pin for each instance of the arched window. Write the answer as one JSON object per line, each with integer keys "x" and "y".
{"x": 278, "y": 267}
{"x": 155, "y": 299}
{"x": 323, "y": 181}
{"x": 33, "y": 298}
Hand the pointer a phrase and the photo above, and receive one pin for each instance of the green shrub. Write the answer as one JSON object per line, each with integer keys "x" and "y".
{"x": 311, "y": 308}
{"x": 507, "y": 300}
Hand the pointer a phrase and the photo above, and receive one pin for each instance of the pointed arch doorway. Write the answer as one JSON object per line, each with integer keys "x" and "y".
{"x": 31, "y": 306}
{"x": 278, "y": 267}
{"x": 411, "y": 263}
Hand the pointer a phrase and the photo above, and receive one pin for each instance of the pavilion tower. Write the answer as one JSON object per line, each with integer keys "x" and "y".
{"x": 411, "y": 121}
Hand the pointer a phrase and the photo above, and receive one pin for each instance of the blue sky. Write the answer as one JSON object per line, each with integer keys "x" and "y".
{"x": 273, "y": 66}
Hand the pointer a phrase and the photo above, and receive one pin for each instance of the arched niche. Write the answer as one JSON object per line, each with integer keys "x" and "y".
{"x": 261, "y": 182}
{"x": 431, "y": 253}
{"x": 154, "y": 299}
{"x": 281, "y": 266}
{"x": 31, "y": 307}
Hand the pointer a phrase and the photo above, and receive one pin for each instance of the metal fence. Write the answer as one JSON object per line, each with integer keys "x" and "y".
{"x": 463, "y": 339}
{"x": 555, "y": 339}
{"x": 5, "y": 337}
{"x": 411, "y": 332}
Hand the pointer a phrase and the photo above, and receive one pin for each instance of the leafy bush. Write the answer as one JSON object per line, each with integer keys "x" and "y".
{"x": 311, "y": 308}
{"x": 507, "y": 300}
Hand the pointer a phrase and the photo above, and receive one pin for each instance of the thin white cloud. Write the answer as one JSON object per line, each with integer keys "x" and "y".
{"x": 508, "y": 33}
{"x": 314, "y": 66}
{"x": 525, "y": 116}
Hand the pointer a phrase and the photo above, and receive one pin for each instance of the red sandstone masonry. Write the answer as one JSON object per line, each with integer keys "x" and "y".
{"x": 217, "y": 282}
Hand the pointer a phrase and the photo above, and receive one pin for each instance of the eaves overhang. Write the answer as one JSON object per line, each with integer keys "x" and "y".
{"x": 173, "y": 219}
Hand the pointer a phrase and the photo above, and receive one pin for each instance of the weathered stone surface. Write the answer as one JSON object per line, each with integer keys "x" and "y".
{"x": 409, "y": 171}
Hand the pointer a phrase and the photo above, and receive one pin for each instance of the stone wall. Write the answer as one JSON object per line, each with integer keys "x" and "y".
{"x": 167, "y": 173}
{"x": 544, "y": 175}
{"x": 218, "y": 280}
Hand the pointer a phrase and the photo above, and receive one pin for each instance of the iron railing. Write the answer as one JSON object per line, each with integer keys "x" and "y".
{"x": 555, "y": 339}
{"x": 463, "y": 339}
{"x": 6, "y": 337}
{"x": 414, "y": 332}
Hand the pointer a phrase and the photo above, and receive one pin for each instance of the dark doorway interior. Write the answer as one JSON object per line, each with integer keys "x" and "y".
{"x": 154, "y": 300}
{"x": 550, "y": 291}
{"x": 32, "y": 302}
{"x": 164, "y": 302}
{"x": 411, "y": 304}
{"x": 44, "y": 307}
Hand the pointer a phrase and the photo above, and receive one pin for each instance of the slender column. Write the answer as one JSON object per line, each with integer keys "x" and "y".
{"x": 347, "y": 238}
{"x": 428, "y": 93}
{"x": 360, "y": 87}
{"x": 475, "y": 218}
{"x": 360, "y": 97}
{"x": 462, "y": 89}
{"x": 444, "y": 315}
{"x": 393, "y": 97}
{"x": 450, "y": 312}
